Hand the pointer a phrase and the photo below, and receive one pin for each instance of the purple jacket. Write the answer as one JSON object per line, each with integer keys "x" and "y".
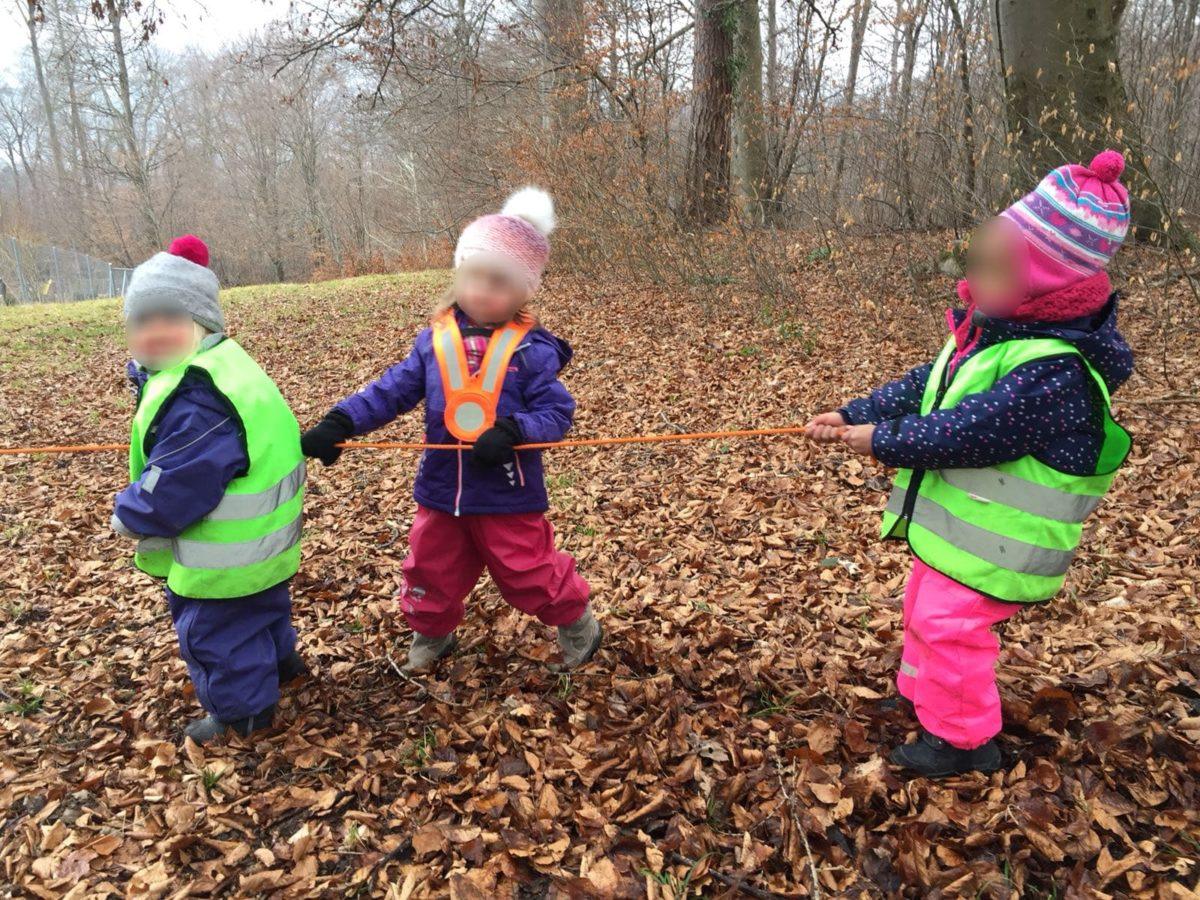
{"x": 531, "y": 395}
{"x": 198, "y": 449}
{"x": 1049, "y": 408}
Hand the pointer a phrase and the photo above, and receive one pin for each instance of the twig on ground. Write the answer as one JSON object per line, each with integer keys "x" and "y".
{"x": 402, "y": 850}
{"x": 790, "y": 799}
{"x": 1152, "y": 401}
{"x": 733, "y": 882}
{"x": 339, "y": 804}
{"x": 424, "y": 690}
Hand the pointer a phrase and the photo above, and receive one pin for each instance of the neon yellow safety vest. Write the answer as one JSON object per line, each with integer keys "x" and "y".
{"x": 1008, "y": 531}
{"x": 251, "y": 540}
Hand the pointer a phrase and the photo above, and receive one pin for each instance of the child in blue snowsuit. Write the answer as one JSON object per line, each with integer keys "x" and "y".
{"x": 192, "y": 463}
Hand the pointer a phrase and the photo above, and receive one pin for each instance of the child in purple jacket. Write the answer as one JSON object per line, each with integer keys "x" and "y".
{"x": 1004, "y": 446}
{"x": 488, "y": 375}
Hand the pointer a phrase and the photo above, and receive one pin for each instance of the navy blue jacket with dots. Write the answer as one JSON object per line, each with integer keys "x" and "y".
{"x": 1049, "y": 408}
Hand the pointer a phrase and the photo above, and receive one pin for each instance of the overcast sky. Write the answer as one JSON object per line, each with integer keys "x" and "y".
{"x": 187, "y": 23}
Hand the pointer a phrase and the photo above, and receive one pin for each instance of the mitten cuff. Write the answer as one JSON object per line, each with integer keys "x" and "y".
{"x": 510, "y": 427}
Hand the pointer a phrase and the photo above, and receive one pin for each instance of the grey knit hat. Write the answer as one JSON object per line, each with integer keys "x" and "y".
{"x": 176, "y": 282}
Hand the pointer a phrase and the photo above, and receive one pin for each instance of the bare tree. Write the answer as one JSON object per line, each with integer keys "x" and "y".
{"x": 712, "y": 98}
{"x": 33, "y": 18}
{"x": 859, "y": 17}
{"x": 1064, "y": 90}
{"x": 968, "y": 100}
{"x": 750, "y": 177}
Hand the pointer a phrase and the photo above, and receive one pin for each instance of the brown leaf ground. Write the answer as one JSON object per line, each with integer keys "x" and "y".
{"x": 728, "y": 738}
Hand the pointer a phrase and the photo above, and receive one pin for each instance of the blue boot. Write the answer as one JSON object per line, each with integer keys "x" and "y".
{"x": 202, "y": 731}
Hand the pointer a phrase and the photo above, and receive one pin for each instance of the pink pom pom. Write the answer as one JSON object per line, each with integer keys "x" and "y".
{"x": 190, "y": 248}
{"x": 1108, "y": 165}
{"x": 964, "y": 291}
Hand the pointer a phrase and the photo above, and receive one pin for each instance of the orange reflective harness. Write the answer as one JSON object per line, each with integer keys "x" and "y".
{"x": 471, "y": 399}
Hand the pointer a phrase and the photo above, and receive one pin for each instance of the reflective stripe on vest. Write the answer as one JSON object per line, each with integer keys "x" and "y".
{"x": 251, "y": 540}
{"x": 211, "y": 555}
{"x": 994, "y": 486}
{"x": 1009, "y": 530}
{"x": 999, "y": 550}
{"x": 250, "y": 506}
{"x": 471, "y": 400}
{"x": 153, "y": 545}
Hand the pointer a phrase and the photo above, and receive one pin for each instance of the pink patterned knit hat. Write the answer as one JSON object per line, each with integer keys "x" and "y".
{"x": 1073, "y": 222}
{"x": 516, "y": 236}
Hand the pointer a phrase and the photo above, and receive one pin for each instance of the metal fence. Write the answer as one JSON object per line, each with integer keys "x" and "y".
{"x": 36, "y": 273}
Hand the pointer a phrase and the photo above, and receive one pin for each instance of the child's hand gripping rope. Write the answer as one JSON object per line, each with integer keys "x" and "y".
{"x": 832, "y": 427}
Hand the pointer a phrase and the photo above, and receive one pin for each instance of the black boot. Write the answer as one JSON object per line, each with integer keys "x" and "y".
{"x": 896, "y": 704}
{"x": 932, "y": 757}
{"x": 292, "y": 668}
{"x": 207, "y": 729}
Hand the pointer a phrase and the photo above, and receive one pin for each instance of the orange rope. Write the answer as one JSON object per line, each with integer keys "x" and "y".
{"x": 70, "y": 448}
{"x": 409, "y": 445}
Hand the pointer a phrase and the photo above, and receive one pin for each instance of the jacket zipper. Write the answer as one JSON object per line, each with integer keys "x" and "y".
{"x": 458, "y": 496}
{"x": 918, "y": 475}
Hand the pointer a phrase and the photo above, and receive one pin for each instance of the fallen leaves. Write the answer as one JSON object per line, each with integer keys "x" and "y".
{"x": 729, "y": 736}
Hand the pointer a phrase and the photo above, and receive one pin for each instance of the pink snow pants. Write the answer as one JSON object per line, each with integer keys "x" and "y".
{"x": 948, "y": 667}
{"x": 447, "y": 554}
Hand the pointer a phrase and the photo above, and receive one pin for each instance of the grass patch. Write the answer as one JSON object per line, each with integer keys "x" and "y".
{"x": 564, "y": 687}
{"x": 770, "y": 703}
{"x": 418, "y": 754}
{"x": 49, "y": 338}
{"x": 26, "y": 702}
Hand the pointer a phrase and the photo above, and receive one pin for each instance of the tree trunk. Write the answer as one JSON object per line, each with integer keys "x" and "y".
{"x": 563, "y": 28}
{"x": 862, "y": 12}
{"x": 66, "y": 38}
{"x": 772, "y": 73}
{"x": 968, "y": 117}
{"x": 1064, "y": 95}
{"x": 31, "y": 19}
{"x": 712, "y": 87}
{"x": 914, "y": 21}
{"x": 749, "y": 126}
{"x": 135, "y": 164}
{"x": 16, "y": 175}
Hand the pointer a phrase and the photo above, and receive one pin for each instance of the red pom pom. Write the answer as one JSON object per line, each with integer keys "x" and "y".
{"x": 1108, "y": 165}
{"x": 190, "y": 248}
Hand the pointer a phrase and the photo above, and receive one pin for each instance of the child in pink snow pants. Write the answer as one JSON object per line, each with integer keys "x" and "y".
{"x": 1004, "y": 445}
{"x": 488, "y": 375}
{"x": 448, "y": 553}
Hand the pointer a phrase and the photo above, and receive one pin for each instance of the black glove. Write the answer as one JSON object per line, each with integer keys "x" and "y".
{"x": 495, "y": 446}
{"x": 320, "y": 441}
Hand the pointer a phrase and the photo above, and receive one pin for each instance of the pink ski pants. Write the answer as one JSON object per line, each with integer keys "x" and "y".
{"x": 447, "y": 554}
{"x": 948, "y": 668}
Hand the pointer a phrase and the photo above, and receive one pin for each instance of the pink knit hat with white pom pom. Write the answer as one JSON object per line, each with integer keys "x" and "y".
{"x": 516, "y": 236}
{"x": 1073, "y": 222}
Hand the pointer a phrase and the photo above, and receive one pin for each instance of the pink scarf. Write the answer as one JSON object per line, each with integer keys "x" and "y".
{"x": 1083, "y": 298}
